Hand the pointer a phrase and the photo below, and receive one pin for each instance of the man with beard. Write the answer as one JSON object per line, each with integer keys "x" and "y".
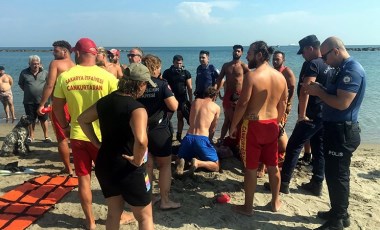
{"x": 102, "y": 61}
{"x": 62, "y": 62}
{"x": 179, "y": 80}
{"x": 261, "y": 106}
{"x": 206, "y": 74}
{"x": 234, "y": 71}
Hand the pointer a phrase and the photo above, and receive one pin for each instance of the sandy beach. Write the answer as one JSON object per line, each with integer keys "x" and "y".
{"x": 197, "y": 195}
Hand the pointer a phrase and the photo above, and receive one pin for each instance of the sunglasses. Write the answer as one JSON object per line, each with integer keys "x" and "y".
{"x": 324, "y": 56}
{"x": 133, "y": 55}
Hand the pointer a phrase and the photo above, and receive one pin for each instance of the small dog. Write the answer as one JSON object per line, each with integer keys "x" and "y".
{"x": 16, "y": 141}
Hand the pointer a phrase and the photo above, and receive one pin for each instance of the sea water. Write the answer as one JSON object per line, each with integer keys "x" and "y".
{"x": 369, "y": 117}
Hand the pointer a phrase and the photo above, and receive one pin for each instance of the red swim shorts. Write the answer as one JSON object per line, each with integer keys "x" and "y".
{"x": 259, "y": 141}
{"x": 59, "y": 133}
{"x": 84, "y": 153}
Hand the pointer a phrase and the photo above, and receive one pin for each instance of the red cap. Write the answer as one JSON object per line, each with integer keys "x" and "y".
{"x": 85, "y": 45}
{"x": 115, "y": 52}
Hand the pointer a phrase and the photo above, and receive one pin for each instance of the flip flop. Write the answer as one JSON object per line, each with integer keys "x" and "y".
{"x": 223, "y": 198}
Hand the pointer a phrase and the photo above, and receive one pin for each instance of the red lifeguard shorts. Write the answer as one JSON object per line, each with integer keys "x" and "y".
{"x": 59, "y": 133}
{"x": 259, "y": 141}
{"x": 84, "y": 153}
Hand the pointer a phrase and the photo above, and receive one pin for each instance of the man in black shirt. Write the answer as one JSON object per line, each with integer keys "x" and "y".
{"x": 179, "y": 80}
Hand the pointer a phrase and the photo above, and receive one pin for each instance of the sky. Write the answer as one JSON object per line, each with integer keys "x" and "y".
{"x": 162, "y": 23}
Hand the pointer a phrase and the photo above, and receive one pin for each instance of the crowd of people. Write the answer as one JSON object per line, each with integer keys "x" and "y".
{"x": 117, "y": 117}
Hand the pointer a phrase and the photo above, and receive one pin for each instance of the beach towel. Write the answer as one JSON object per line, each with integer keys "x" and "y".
{"x": 23, "y": 205}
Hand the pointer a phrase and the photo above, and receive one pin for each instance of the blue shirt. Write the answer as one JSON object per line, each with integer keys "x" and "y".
{"x": 350, "y": 77}
{"x": 206, "y": 77}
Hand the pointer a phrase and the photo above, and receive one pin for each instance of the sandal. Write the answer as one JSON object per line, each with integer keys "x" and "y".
{"x": 47, "y": 140}
{"x": 29, "y": 140}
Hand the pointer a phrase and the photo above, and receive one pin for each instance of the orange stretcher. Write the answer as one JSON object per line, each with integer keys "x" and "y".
{"x": 23, "y": 205}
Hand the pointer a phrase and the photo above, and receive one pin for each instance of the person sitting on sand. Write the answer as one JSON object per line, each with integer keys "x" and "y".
{"x": 196, "y": 145}
{"x": 261, "y": 106}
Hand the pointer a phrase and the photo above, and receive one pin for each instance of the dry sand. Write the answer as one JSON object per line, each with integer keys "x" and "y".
{"x": 197, "y": 195}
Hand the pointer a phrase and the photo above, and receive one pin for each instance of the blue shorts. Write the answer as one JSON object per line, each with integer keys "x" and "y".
{"x": 197, "y": 146}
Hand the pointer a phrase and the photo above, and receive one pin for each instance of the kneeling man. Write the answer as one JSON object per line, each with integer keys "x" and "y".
{"x": 196, "y": 145}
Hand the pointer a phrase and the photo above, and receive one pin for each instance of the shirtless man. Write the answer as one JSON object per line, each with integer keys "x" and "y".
{"x": 234, "y": 71}
{"x": 62, "y": 62}
{"x": 102, "y": 61}
{"x": 196, "y": 145}
{"x": 278, "y": 61}
{"x": 6, "y": 97}
{"x": 261, "y": 105}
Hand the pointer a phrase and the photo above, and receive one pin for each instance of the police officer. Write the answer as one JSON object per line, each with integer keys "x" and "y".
{"x": 179, "y": 80}
{"x": 342, "y": 97}
{"x": 309, "y": 124}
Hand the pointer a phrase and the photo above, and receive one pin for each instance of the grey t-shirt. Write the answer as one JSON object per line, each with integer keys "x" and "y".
{"x": 32, "y": 85}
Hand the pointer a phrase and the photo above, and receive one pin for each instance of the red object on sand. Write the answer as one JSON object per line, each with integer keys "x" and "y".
{"x": 223, "y": 198}
{"x": 46, "y": 109}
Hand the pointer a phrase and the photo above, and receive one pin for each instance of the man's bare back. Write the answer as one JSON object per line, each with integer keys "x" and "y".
{"x": 204, "y": 116}
{"x": 6, "y": 82}
{"x": 268, "y": 91}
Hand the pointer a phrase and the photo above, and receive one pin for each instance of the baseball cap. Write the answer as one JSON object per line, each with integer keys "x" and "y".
{"x": 2, "y": 68}
{"x": 85, "y": 45}
{"x": 115, "y": 52}
{"x": 138, "y": 72}
{"x": 310, "y": 40}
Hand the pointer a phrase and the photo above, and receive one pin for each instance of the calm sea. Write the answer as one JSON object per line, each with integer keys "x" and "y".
{"x": 14, "y": 62}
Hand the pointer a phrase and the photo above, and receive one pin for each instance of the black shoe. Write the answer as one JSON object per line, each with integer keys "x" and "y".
{"x": 305, "y": 160}
{"x": 178, "y": 136}
{"x": 328, "y": 215}
{"x": 333, "y": 224}
{"x": 284, "y": 187}
{"x": 314, "y": 187}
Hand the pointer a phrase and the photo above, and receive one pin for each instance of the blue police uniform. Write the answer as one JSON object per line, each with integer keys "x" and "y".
{"x": 342, "y": 134}
{"x": 308, "y": 130}
{"x": 206, "y": 77}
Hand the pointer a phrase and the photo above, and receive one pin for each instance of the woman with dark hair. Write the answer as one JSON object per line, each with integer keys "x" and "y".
{"x": 158, "y": 101}
{"x": 120, "y": 165}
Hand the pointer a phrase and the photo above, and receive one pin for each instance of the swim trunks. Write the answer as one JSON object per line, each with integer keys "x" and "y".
{"x": 59, "y": 132}
{"x": 84, "y": 153}
{"x": 6, "y": 96}
{"x": 197, "y": 146}
{"x": 229, "y": 99}
{"x": 258, "y": 141}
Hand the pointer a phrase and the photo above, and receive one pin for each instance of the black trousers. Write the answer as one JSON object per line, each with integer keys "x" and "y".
{"x": 340, "y": 141}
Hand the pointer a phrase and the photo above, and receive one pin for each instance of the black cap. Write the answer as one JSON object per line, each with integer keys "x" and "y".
{"x": 2, "y": 68}
{"x": 310, "y": 40}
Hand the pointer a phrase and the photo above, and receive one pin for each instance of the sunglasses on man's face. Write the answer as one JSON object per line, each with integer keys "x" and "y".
{"x": 324, "y": 56}
{"x": 133, "y": 55}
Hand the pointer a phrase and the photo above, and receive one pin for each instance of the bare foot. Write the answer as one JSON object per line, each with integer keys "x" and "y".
{"x": 169, "y": 205}
{"x": 127, "y": 218}
{"x": 275, "y": 205}
{"x": 194, "y": 165}
{"x": 90, "y": 226}
{"x": 180, "y": 167}
{"x": 241, "y": 209}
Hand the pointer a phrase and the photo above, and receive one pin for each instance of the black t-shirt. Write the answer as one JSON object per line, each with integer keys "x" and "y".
{"x": 114, "y": 112}
{"x": 153, "y": 100}
{"x": 321, "y": 71}
{"x": 177, "y": 81}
